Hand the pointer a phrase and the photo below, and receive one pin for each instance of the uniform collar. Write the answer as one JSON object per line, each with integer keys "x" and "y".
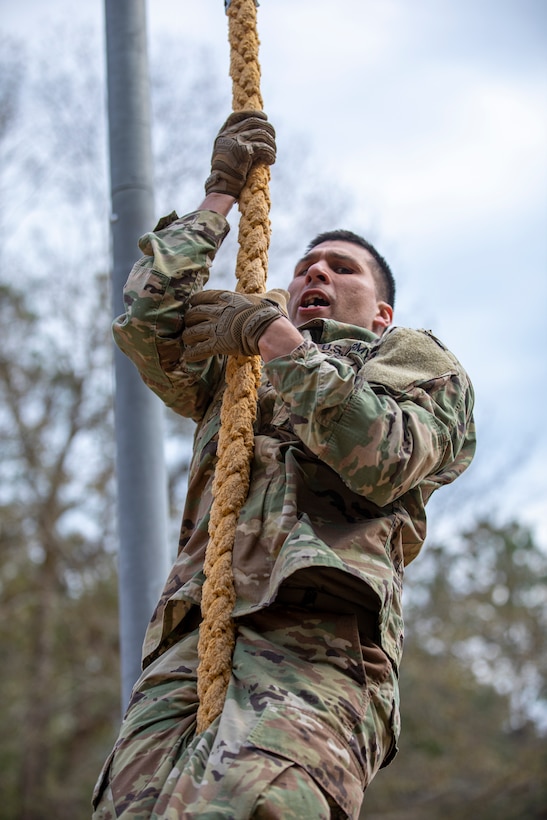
{"x": 328, "y": 330}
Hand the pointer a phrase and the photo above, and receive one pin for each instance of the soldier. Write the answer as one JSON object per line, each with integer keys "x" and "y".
{"x": 357, "y": 424}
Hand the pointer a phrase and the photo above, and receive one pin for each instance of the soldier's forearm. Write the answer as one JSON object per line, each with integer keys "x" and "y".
{"x": 220, "y": 203}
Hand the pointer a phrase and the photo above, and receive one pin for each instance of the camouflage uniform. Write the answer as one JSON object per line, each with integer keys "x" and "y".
{"x": 353, "y": 434}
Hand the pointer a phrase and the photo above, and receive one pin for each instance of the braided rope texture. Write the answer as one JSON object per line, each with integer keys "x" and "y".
{"x": 238, "y": 412}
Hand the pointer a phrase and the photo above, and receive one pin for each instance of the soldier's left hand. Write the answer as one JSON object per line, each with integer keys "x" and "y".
{"x": 228, "y": 323}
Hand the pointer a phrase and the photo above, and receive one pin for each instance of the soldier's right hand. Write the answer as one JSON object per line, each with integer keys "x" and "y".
{"x": 245, "y": 138}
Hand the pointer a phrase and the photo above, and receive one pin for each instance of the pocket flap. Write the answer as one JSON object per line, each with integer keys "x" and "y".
{"x": 308, "y": 742}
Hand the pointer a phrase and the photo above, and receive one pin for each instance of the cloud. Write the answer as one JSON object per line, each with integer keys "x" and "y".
{"x": 486, "y": 159}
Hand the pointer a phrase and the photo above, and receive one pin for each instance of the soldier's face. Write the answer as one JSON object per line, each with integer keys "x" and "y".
{"x": 335, "y": 281}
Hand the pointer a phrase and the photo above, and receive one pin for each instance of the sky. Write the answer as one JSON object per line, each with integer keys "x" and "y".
{"x": 433, "y": 115}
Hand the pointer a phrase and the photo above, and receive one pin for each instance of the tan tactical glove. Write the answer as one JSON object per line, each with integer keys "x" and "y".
{"x": 221, "y": 321}
{"x": 245, "y": 138}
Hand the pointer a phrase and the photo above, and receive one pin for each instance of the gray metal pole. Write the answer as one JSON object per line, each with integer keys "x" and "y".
{"x": 141, "y": 475}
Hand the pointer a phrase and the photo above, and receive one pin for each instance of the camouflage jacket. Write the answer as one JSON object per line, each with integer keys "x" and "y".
{"x": 353, "y": 434}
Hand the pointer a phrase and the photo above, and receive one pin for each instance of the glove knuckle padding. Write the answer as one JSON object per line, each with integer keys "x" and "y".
{"x": 227, "y": 321}
{"x": 240, "y": 116}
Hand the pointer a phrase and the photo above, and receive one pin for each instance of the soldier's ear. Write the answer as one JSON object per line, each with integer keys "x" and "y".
{"x": 383, "y": 318}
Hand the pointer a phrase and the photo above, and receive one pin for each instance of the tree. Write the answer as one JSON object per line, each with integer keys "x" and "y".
{"x": 57, "y": 574}
{"x": 473, "y": 683}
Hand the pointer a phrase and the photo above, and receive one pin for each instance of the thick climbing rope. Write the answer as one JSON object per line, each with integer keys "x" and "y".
{"x": 238, "y": 412}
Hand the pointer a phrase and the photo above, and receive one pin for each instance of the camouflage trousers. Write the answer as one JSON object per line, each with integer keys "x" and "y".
{"x": 301, "y": 734}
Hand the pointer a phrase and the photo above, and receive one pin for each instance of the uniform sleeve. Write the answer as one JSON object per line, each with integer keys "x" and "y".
{"x": 177, "y": 258}
{"x": 384, "y": 424}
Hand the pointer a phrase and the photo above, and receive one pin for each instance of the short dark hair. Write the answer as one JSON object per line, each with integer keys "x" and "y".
{"x": 383, "y": 276}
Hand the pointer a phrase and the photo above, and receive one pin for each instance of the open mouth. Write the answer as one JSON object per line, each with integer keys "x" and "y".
{"x": 314, "y": 301}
